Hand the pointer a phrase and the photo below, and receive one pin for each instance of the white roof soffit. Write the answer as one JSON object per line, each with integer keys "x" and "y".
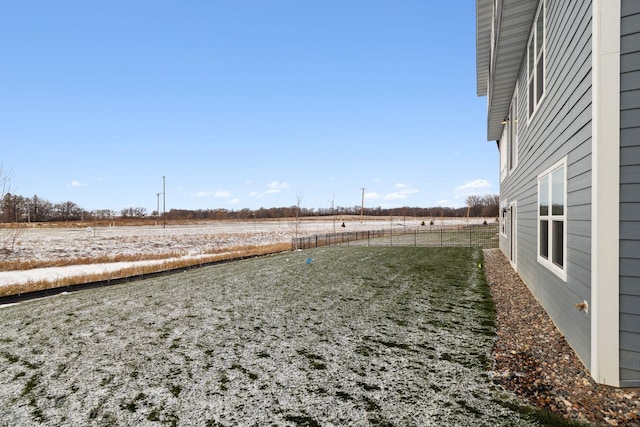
{"x": 484, "y": 10}
{"x": 509, "y": 52}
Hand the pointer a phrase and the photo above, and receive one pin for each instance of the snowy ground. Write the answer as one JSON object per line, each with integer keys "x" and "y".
{"x": 361, "y": 336}
{"x": 187, "y": 241}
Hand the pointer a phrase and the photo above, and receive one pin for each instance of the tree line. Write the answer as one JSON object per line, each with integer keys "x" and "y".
{"x": 16, "y": 208}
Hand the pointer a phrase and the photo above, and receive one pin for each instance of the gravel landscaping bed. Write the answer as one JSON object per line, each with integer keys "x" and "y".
{"x": 532, "y": 358}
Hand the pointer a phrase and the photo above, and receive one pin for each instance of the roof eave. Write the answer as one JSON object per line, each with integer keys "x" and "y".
{"x": 512, "y": 34}
{"x": 484, "y": 11}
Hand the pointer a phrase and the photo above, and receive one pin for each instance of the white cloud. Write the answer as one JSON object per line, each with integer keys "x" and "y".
{"x": 395, "y": 196}
{"x": 477, "y": 187}
{"x": 402, "y": 194}
{"x": 277, "y": 186}
{"x": 234, "y": 201}
{"x": 221, "y": 194}
{"x": 478, "y": 184}
{"x": 77, "y": 184}
{"x": 274, "y": 187}
{"x": 372, "y": 196}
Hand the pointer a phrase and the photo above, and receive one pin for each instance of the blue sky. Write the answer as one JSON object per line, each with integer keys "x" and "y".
{"x": 243, "y": 104}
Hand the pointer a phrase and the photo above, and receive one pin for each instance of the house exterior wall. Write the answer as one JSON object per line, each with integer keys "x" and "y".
{"x": 630, "y": 194}
{"x": 559, "y": 129}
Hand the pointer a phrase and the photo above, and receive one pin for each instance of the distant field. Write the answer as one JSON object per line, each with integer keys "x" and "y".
{"x": 45, "y": 257}
{"x": 40, "y": 243}
{"x": 330, "y": 336}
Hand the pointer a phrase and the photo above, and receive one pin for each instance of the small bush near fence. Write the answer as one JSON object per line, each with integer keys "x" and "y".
{"x": 485, "y": 236}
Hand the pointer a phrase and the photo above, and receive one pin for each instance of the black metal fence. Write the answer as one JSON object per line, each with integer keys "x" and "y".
{"x": 485, "y": 236}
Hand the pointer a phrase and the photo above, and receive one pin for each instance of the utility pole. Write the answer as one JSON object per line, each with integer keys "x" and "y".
{"x": 164, "y": 204}
{"x": 362, "y": 206}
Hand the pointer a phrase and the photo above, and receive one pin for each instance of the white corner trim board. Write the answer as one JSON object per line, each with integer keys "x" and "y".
{"x": 605, "y": 203}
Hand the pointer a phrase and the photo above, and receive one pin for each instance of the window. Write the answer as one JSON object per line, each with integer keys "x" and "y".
{"x": 503, "y": 219}
{"x": 508, "y": 143}
{"x": 512, "y": 125}
{"x": 502, "y": 144}
{"x": 535, "y": 60}
{"x": 552, "y": 215}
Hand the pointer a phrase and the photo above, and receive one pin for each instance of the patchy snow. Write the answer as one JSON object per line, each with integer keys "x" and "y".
{"x": 183, "y": 241}
{"x": 55, "y": 273}
{"x": 271, "y": 341}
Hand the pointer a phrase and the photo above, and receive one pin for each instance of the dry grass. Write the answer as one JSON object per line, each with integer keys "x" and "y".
{"x": 20, "y": 265}
{"x": 135, "y": 271}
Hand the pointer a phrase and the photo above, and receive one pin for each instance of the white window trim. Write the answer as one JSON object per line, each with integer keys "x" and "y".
{"x": 503, "y": 218}
{"x": 548, "y": 263}
{"x": 502, "y": 148}
{"x": 542, "y": 8}
{"x": 513, "y": 122}
{"x": 513, "y": 207}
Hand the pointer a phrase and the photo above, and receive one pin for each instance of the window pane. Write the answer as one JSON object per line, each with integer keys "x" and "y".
{"x": 558, "y": 243}
{"x": 531, "y": 104}
{"x": 532, "y": 57}
{"x": 544, "y": 239}
{"x": 543, "y": 188}
{"x": 512, "y": 134}
{"x": 540, "y": 32}
{"x": 557, "y": 192}
{"x": 540, "y": 79}
{"x": 510, "y": 144}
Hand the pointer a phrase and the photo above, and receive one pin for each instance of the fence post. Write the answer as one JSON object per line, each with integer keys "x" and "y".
{"x": 469, "y": 236}
{"x": 441, "y": 237}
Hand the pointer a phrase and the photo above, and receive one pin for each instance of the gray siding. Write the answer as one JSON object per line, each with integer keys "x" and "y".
{"x": 630, "y": 194}
{"x": 560, "y": 128}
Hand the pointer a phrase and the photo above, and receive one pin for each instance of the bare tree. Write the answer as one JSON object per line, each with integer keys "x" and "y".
{"x": 297, "y": 220}
{"x": 474, "y": 205}
{"x": 486, "y": 206}
{"x": 491, "y": 205}
{"x": 9, "y": 235}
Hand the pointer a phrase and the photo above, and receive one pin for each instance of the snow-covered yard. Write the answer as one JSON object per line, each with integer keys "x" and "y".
{"x": 37, "y": 243}
{"x": 360, "y": 336}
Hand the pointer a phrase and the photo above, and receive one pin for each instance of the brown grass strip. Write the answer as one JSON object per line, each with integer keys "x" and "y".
{"x": 135, "y": 271}
{"x": 21, "y": 265}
